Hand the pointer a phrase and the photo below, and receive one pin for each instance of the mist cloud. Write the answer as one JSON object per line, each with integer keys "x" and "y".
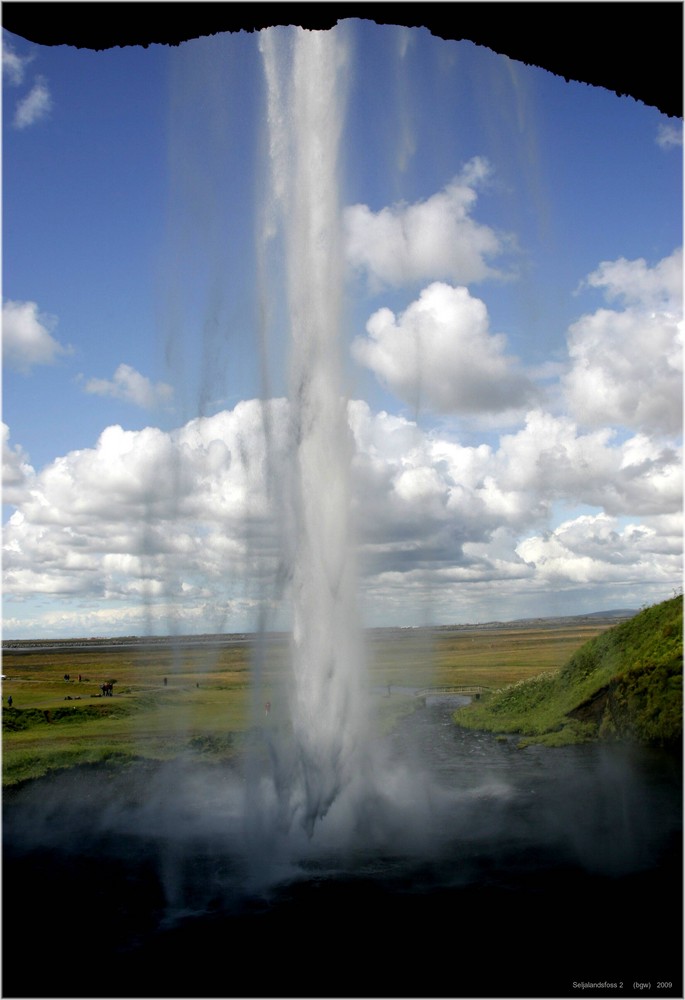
{"x": 35, "y": 106}
{"x": 669, "y": 135}
{"x": 13, "y": 65}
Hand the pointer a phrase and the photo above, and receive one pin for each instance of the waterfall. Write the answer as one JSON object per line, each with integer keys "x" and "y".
{"x": 306, "y": 75}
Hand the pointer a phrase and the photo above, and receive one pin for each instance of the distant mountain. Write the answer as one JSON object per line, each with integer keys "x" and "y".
{"x": 78, "y": 644}
{"x": 614, "y": 613}
{"x": 551, "y": 621}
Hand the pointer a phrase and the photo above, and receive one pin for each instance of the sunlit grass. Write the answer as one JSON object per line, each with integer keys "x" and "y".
{"x": 208, "y": 705}
{"x": 624, "y": 684}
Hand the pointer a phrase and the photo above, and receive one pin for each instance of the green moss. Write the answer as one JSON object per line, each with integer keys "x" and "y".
{"x": 625, "y": 684}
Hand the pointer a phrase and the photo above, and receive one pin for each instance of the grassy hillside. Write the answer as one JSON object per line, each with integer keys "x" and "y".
{"x": 625, "y": 684}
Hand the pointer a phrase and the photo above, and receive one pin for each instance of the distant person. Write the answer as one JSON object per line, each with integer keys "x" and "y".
{"x": 165, "y": 682}
{"x": 9, "y": 701}
{"x": 267, "y": 707}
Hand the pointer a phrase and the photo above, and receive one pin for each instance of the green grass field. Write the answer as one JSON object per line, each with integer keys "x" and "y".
{"x": 209, "y": 702}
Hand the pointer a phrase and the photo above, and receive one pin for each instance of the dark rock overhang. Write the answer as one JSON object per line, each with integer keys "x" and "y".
{"x": 633, "y": 49}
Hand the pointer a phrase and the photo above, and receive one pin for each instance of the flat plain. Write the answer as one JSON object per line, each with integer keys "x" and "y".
{"x": 203, "y": 695}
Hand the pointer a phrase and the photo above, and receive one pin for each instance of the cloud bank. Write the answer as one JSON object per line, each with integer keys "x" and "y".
{"x": 179, "y": 530}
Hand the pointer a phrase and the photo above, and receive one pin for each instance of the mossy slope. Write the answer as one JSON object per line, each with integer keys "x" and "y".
{"x": 625, "y": 684}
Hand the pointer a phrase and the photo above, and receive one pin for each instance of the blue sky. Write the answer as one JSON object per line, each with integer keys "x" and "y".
{"x": 512, "y": 337}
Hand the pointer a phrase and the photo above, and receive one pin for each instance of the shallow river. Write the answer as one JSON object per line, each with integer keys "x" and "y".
{"x": 476, "y": 870}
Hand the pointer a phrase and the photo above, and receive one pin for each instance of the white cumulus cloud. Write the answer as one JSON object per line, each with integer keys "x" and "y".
{"x": 636, "y": 283}
{"x": 597, "y": 548}
{"x": 26, "y": 336}
{"x": 132, "y": 387}
{"x": 550, "y": 459}
{"x": 626, "y": 364}
{"x": 17, "y": 472}
{"x": 440, "y": 353}
{"x": 432, "y": 239}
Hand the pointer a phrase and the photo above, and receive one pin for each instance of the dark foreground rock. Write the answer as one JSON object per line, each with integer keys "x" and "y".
{"x": 95, "y": 907}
